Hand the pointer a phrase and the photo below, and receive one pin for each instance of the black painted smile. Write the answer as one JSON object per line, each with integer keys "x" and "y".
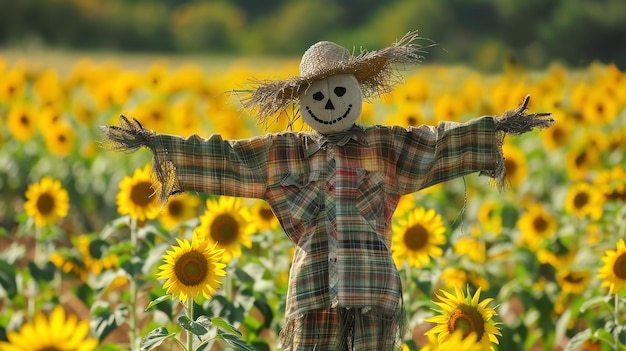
{"x": 329, "y": 122}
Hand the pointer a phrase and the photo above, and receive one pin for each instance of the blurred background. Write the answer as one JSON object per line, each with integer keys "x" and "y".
{"x": 480, "y": 33}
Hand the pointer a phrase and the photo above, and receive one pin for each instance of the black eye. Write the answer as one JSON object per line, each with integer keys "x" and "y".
{"x": 318, "y": 96}
{"x": 339, "y": 91}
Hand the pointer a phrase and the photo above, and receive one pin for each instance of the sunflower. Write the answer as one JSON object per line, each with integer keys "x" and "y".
{"x": 455, "y": 342}
{"x": 612, "y": 183}
{"x": 580, "y": 159}
{"x": 96, "y": 262}
{"x": 192, "y": 268}
{"x": 417, "y": 237}
{"x": 407, "y": 115}
{"x": 536, "y": 225}
{"x": 136, "y": 196}
{"x": 22, "y": 121}
{"x": 466, "y": 314}
{"x": 456, "y": 278}
{"x": 613, "y": 272}
{"x": 154, "y": 114}
{"x": 60, "y": 138}
{"x": 573, "y": 281}
{"x": 70, "y": 264}
{"x": 515, "y": 164}
{"x": 179, "y": 209}
{"x": 12, "y": 85}
{"x": 558, "y": 135}
{"x": 490, "y": 216}
{"x": 264, "y": 217}
{"x": 186, "y": 117}
{"x": 227, "y": 224}
{"x": 448, "y": 108}
{"x": 584, "y": 200}
{"x": 57, "y": 332}
{"x": 124, "y": 86}
{"x": 47, "y": 201}
{"x": 600, "y": 108}
{"x": 557, "y": 254}
{"x": 471, "y": 246}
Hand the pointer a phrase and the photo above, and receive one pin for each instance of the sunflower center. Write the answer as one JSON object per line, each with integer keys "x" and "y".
{"x": 540, "y": 224}
{"x": 574, "y": 278}
{"x": 559, "y": 136}
{"x": 510, "y": 166}
{"x": 62, "y": 139}
{"x": 600, "y": 108}
{"x": 581, "y": 159}
{"x": 191, "y": 268}
{"x": 266, "y": 214}
{"x": 45, "y": 204}
{"x": 411, "y": 120}
{"x": 580, "y": 200}
{"x": 416, "y": 237}
{"x": 225, "y": 229}
{"x": 48, "y": 348}
{"x": 24, "y": 120}
{"x": 619, "y": 267}
{"x": 467, "y": 319}
{"x": 141, "y": 193}
{"x": 175, "y": 208}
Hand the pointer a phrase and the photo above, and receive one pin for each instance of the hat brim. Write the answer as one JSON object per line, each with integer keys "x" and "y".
{"x": 376, "y": 71}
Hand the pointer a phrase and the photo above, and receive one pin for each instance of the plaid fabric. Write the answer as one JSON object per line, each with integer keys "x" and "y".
{"x": 335, "y": 202}
{"x": 361, "y": 330}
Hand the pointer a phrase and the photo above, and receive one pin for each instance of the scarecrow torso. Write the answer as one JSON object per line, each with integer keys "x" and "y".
{"x": 336, "y": 206}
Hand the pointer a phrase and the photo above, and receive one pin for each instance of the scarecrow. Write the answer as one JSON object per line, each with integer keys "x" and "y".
{"x": 334, "y": 189}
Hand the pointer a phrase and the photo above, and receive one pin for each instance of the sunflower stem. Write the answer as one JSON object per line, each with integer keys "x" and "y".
{"x": 616, "y": 330}
{"x": 190, "y": 316}
{"x": 132, "y": 320}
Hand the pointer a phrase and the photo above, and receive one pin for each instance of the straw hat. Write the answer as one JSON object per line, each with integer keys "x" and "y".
{"x": 376, "y": 71}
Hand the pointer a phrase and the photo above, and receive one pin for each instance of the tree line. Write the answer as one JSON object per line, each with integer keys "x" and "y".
{"x": 482, "y": 33}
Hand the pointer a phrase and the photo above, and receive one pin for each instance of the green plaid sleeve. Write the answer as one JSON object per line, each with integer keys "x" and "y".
{"x": 213, "y": 165}
{"x": 429, "y": 155}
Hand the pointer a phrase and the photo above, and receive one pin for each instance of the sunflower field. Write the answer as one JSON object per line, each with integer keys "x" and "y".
{"x": 90, "y": 260}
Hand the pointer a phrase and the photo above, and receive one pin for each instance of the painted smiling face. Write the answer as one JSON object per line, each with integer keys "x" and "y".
{"x": 332, "y": 104}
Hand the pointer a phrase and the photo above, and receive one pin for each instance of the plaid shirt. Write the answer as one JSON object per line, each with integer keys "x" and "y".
{"x": 335, "y": 202}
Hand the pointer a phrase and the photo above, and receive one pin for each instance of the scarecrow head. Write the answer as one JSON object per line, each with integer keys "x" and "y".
{"x": 332, "y": 84}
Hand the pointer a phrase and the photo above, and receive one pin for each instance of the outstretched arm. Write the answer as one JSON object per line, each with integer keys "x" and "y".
{"x": 430, "y": 155}
{"x": 212, "y": 165}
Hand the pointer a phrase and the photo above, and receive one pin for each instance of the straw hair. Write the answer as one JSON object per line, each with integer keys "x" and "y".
{"x": 376, "y": 71}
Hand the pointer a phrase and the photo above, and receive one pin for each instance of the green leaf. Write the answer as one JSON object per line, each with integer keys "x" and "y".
{"x": 604, "y": 336}
{"x": 114, "y": 225}
{"x": 225, "y": 326}
{"x": 260, "y": 345}
{"x": 158, "y": 301}
{"x": 411, "y": 345}
{"x": 104, "y": 321}
{"x": 578, "y": 340}
{"x": 154, "y": 257}
{"x": 155, "y": 338}
{"x": 132, "y": 266}
{"x": 594, "y": 301}
{"x": 44, "y": 274}
{"x": 7, "y": 279}
{"x": 266, "y": 310}
{"x": 235, "y": 341}
{"x": 192, "y": 326}
{"x": 105, "y": 280}
{"x": 98, "y": 248}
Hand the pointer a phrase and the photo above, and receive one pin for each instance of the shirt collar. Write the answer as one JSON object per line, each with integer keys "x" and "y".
{"x": 317, "y": 140}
